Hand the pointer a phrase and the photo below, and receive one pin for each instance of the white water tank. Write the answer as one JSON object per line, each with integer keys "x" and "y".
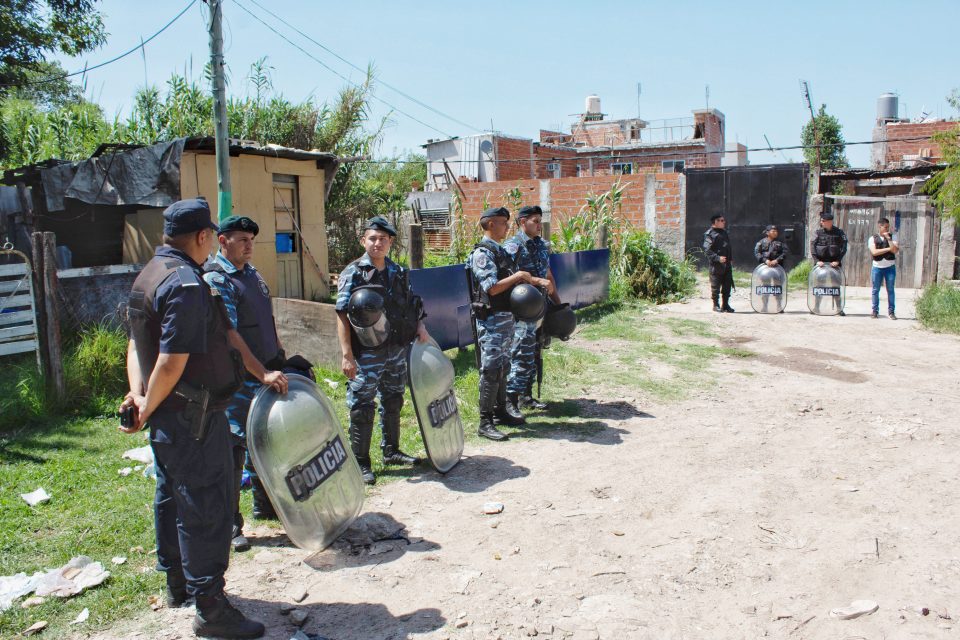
{"x": 592, "y": 107}
{"x": 888, "y": 107}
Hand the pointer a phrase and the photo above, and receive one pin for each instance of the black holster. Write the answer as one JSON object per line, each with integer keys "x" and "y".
{"x": 194, "y": 411}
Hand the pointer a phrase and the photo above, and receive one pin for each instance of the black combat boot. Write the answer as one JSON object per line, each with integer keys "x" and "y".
{"x": 503, "y": 413}
{"x": 390, "y": 426}
{"x": 238, "y": 541}
{"x": 262, "y": 507}
{"x": 176, "y": 590}
{"x": 726, "y": 308}
{"x": 217, "y": 618}
{"x": 361, "y": 430}
{"x": 527, "y": 401}
{"x": 489, "y": 385}
{"x": 513, "y": 403}
{"x": 716, "y": 304}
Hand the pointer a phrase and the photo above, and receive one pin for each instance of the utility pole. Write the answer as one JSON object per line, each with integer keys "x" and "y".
{"x": 813, "y": 120}
{"x": 224, "y": 191}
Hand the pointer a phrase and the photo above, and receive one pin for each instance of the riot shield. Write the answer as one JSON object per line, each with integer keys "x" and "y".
{"x": 826, "y": 290}
{"x": 305, "y": 462}
{"x": 768, "y": 289}
{"x": 430, "y": 375}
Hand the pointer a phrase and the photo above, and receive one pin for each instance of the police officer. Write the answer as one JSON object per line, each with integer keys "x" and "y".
{"x": 182, "y": 374}
{"x": 491, "y": 274}
{"x": 247, "y": 299}
{"x": 531, "y": 254}
{"x": 769, "y": 250}
{"x": 377, "y": 364}
{"x": 716, "y": 246}
{"x": 829, "y": 245}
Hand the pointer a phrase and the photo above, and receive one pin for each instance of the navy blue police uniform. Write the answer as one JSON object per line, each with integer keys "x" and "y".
{"x": 173, "y": 311}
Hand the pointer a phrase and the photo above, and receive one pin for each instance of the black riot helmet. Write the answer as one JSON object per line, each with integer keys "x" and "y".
{"x": 560, "y": 321}
{"x": 367, "y": 314}
{"x": 527, "y": 302}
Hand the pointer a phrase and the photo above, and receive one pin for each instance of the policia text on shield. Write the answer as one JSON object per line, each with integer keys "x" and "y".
{"x": 378, "y": 315}
{"x": 183, "y": 373}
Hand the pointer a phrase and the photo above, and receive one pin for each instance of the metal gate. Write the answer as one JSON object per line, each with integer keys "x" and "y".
{"x": 18, "y": 320}
{"x": 750, "y": 198}
{"x": 914, "y": 223}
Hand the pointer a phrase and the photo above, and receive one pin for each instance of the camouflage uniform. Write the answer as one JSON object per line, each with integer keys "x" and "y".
{"x": 488, "y": 264}
{"x": 381, "y": 370}
{"x": 533, "y": 256}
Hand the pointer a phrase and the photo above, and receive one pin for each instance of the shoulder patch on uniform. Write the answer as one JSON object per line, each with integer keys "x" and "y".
{"x": 481, "y": 260}
{"x": 187, "y": 277}
{"x": 511, "y": 248}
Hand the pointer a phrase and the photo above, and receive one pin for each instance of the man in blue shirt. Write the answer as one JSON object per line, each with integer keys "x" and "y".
{"x": 182, "y": 373}
{"x": 247, "y": 299}
{"x": 532, "y": 254}
{"x": 375, "y": 356}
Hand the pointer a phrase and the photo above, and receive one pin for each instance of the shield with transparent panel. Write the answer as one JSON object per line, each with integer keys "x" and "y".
{"x": 305, "y": 462}
{"x": 826, "y": 290}
{"x": 430, "y": 374}
{"x": 768, "y": 289}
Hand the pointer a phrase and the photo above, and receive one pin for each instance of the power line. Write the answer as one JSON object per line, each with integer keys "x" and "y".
{"x": 335, "y": 72}
{"x": 652, "y": 155}
{"x": 350, "y": 64}
{"x": 106, "y": 62}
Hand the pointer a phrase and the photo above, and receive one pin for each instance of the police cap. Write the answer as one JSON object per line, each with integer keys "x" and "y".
{"x": 526, "y": 212}
{"x": 770, "y": 227}
{"x": 496, "y": 212}
{"x": 826, "y": 215}
{"x": 379, "y": 223}
{"x": 187, "y": 216}
{"x": 239, "y": 223}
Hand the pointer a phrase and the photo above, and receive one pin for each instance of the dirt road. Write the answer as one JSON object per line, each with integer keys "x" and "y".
{"x": 820, "y": 471}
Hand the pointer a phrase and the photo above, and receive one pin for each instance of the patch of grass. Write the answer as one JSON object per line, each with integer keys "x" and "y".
{"x": 800, "y": 275}
{"x": 938, "y": 308}
{"x": 683, "y": 327}
{"x": 93, "y": 511}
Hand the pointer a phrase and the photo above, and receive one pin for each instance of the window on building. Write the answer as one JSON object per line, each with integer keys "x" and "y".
{"x": 622, "y": 168}
{"x": 673, "y": 166}
{"x": 579, "y": 170}
{"x": 553, "y": 168}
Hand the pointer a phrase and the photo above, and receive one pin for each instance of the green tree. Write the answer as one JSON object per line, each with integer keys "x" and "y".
{"x": 31, "y": 30}
{"x": 944, "y": 185}
{"x": 825, "y": 128}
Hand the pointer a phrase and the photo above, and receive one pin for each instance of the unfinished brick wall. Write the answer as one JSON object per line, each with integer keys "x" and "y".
{"x": 514, "y": 158}
{"x": 564, "y": 156}
{"x": 658, "y": 195}
{"x": 899, "y": 133}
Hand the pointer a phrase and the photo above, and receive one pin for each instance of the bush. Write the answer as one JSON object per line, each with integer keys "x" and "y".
{"x": 94, "y": 369}
{"x": 645, "y": 271}
{"x": 938, "y": 308}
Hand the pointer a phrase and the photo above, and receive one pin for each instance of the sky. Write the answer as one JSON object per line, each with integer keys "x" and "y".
{"x": 520, "y": 66}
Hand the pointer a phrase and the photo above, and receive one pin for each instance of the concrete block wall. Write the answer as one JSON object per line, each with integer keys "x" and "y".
{"x": 899, "y": 144}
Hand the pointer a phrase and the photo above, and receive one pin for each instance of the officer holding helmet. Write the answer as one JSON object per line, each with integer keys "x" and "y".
{"x": 532, "y": 254}
{"x": 491, "y": 276}
{"x": 378, "y": 315}
{"x": 183, "y": 372}
{"x": 247, "y": 299}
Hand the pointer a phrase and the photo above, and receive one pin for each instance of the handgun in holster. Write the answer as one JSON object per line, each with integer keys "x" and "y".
{"x": 195, "y": 409}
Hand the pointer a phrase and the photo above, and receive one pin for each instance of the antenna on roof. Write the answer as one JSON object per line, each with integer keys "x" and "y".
{"x": 708, "y": 96}
{"x": 638, "y": 100}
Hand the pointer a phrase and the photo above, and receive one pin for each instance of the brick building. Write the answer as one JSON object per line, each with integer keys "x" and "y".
{"x": 900, "y": 143}
{"x": 594, "y": 146}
